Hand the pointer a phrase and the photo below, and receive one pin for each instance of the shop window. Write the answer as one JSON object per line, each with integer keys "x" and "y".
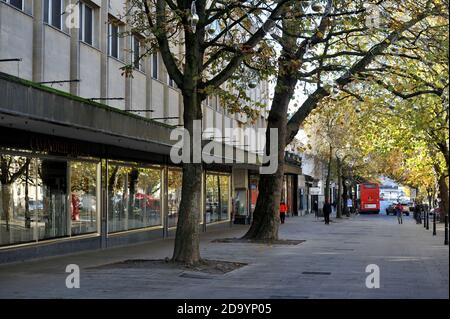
{"x": 34, "y": 201}
{"x": 134, "y": 195}
{"x": 174, "y": 196}
{"x": 217, "y": 198}
{"x": 19, "y": 206}
{"x": 83, "y": 197}
{"x": 52, "y": 181}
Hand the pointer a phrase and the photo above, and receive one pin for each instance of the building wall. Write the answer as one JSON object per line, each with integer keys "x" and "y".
{"x": 16, "y": 41}
{"x": 90, "y": 71}
{"x": 57, "y": 57}
{"x": 50, "y": 54}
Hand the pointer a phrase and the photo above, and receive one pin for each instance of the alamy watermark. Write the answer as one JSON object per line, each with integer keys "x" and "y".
{"x": 211, "y": 150}
{"x": 373, "y": 279}
{"x": 73, "y": 279}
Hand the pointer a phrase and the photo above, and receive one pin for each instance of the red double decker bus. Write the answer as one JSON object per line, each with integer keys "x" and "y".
{"x": 369, "y": 195}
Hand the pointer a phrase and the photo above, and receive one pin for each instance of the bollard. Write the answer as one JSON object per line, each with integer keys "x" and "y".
{"x": 434, "y": 223}
{"x": 446, "y": 230}
{"x": 428, "y": 221}
{"x": 424, "y": 221}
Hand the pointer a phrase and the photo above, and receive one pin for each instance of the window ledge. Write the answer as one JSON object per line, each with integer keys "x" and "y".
{"x": 56, "y": 29}
{"x": 90, "y": 46}
{"x": 117, "y": 59}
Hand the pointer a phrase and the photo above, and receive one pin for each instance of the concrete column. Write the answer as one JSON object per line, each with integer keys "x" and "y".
{"x": 103, "y": 45}
{"x": 74, "y": 56}
{"x": 38, "y": 41}
{"x": 163, "y": 78}
{"x": 128, "y": 60}
{"x": 148, "y": 85}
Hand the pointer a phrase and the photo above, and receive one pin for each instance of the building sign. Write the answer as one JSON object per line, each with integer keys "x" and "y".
{"x": 54, "y": 146}
{"x": 314, "y": 190}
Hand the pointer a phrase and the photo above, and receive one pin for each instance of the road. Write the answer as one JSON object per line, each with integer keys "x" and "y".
{"x": 331, "y": 263}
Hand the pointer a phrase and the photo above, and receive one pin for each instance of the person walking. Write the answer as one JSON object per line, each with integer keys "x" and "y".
{"x": 327, "y": 211}
{"x": 417, "y": 212}
{"x": 399, "y": 213}
{"x": 316, "y": 208}
{"x": 283, "y": 211}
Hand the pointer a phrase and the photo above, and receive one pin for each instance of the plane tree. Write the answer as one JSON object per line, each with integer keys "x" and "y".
{"x": 334, "y": 44}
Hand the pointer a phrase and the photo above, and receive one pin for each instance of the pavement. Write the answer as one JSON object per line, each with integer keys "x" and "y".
{"x": 330, "y": 264}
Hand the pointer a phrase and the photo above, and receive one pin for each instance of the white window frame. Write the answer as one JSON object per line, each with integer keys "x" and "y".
{"x": 83, "y": 23}
{"x": 155, "y": 68}
{"x": 170, "y": 81}
{"x": 133, "y": 42}
{"x": 22, "y": 1}
{"x": 50, "y": 14}
{"x": 111, "y": 25}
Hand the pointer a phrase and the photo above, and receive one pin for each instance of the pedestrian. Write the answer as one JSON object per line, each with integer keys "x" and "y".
{"x": 283, "y": 210}
{"x": 417, "y": 212}
{"x": 399, "y": 213}
{"x": 316, "y": 208}
{"x": 327, "y": 211}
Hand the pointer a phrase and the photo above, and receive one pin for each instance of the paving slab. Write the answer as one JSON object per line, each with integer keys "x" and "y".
{"x": 331, "y": 263}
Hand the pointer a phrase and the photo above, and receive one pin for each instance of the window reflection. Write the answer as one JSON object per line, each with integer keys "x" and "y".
{"x": 52, "y": 183}
{"x": 83, "y": 197}
{"x": 174, "y": 196}
{"x": 217, "y": 198}
{"x": 18, "y": 202}
{"x": 34, "y": 201}
{"x": 134, "y": 195}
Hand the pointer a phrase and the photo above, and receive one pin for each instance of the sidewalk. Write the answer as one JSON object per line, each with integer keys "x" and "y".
{"x": 330, "y": 264}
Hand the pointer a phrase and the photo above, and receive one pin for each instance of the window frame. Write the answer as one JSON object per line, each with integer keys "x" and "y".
{"x": 22, "y": 6}
{"x": 112, "y": 24}
{"x": 49, "y": 18}
{"x": 155, "y": 66}
{"x": 82, "y": 15}
{"x": 137, "y": 65}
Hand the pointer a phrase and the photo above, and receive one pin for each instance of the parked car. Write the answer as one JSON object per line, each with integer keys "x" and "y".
{"x": 405, "y": 208}
{"x": 391, "y": 209}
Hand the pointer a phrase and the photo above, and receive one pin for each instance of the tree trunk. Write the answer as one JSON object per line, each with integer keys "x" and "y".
{"x": 344, "y": 196}
{"x": 187, "y": 247}
{"x": 133, "y": 178}
{"x": 339, "y": 196}
{"x": 27, "y": 198}
{"x": 6, "y": 201}
{"x": 327, "y": 182}
{"x": 266, "y": 217}
{"x": 443, "y": 190}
